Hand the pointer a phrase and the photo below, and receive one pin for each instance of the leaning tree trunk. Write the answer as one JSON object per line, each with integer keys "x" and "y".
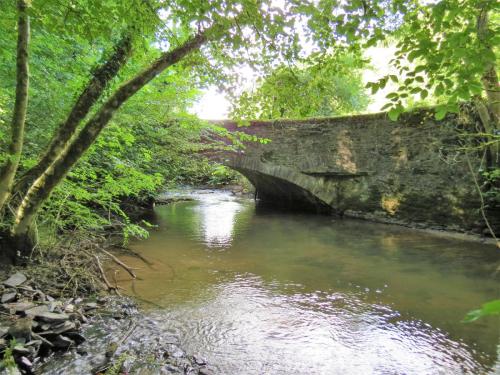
{"x": 41, "y": 189}
{"x": 94, "y": 89}
{"x": 9, "y": 169}
{"x": 491, "y": 86}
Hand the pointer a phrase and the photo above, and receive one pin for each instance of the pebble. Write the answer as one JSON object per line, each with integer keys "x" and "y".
{"x": 26, "y": 362}
{"x": 205, "y": 371}
{"x": 199, "y": 361}
{"x": 170, "y": 369}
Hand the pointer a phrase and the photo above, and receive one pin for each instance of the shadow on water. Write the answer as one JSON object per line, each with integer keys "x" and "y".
{"x": 261, "y": 291}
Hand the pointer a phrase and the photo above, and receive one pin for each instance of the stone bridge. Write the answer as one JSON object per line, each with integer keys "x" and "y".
{"x": 406, "y": 172}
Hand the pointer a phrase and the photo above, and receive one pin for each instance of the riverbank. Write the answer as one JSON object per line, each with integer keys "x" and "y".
{"x": 93, "y": 334}
{"x": 439, "y": 231}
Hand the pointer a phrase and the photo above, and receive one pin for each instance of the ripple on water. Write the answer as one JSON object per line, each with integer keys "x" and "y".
{"x": 249, "y": 328}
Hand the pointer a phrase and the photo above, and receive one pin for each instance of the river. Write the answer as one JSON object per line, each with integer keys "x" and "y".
{"x": 255, "y": 291}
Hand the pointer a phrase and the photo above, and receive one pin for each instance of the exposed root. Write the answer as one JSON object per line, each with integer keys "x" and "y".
{"x": 75, "y": 266}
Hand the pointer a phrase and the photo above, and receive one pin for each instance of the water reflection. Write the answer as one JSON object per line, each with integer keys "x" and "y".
{"x": 302, "y": 294}
{"x": 217, "y": 220}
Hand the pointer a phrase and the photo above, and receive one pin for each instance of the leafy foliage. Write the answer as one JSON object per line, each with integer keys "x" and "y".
{"x": 321, "y": 85}
{"x": 149, "y": 144}
{"x": 441, "y": 54}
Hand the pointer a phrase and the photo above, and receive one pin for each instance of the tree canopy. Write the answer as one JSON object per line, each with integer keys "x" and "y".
{"x": 321, "y": 85}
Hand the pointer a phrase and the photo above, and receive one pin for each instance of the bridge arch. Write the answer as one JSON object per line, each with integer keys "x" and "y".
{"x": 285, "y": 187}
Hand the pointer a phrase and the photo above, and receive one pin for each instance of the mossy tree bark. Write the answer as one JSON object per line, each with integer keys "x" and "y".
{"x": 9, "y": 169}
{"x": 491, "y": 86}
{"x": 43, "y": 186}
{"x": 94, "y": 89}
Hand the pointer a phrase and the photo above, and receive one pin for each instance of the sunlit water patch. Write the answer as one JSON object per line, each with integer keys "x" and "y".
{"x": 262, "y": 292}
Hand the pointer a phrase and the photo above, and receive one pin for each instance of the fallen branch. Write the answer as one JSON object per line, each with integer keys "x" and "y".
{"x": 120, "y": 263}
{"x": 134, "y": 253}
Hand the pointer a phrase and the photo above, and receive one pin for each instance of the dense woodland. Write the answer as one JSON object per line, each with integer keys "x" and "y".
{"x": 95, "y": 95}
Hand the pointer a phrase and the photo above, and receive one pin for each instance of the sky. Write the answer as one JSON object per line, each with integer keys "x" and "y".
{"x": 213, "y": 105}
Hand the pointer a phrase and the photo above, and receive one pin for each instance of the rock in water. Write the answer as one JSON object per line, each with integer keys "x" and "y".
{"x": 15, "y": 280}
{"x": 62, "y": 342}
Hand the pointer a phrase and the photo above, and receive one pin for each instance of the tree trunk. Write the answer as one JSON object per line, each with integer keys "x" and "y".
{"x": 9, "y": 169}
{"x": 491, "y": 86}
{"x": 41, "y": 188}
{"x": 94, "y": 89}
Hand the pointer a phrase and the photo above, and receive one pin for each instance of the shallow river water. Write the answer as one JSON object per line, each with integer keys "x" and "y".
{"x": 260, "y": 292}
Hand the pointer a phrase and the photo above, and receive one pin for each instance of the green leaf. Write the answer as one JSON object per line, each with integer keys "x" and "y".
{"x": 439, "y": 89}
{"x": 394, "y": 113}
{"x": 489, "y": 308}
{"x": 440, "y": 113}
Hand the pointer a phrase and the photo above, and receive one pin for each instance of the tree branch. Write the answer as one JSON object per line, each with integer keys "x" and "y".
{"x": 94, "y": 89}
